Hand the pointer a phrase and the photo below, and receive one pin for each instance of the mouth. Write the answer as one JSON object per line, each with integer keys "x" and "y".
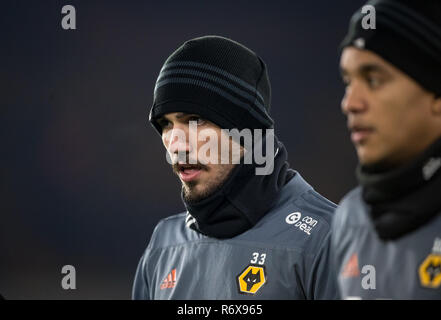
{"x": 188, "y": 172}
{"x": 360, "y": 133}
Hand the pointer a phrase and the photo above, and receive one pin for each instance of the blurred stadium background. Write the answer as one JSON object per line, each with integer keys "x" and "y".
{"x": 83, "y": 176}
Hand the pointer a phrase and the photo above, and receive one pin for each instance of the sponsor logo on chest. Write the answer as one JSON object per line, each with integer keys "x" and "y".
{"x": 306, "y": 223}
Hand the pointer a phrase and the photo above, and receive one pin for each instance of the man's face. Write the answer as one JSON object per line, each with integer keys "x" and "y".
{"x": 388, "y": 113}
{"x": 192, "y": 136}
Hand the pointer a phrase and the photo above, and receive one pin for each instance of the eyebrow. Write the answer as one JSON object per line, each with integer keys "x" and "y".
{"x": 179, "y": 116}
{"x": 365, "y": 69}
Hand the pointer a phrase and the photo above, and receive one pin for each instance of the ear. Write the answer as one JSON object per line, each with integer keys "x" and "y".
{"x": 436, "y": 106}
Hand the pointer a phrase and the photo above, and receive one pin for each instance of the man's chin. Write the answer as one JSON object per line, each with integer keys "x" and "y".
{"x": 376, "y": 162}
{"x": 365, "y": 156}
{"x": 199, "y": 189}
{"x": 192, "y": 196}
{"x": 194, "y": 192}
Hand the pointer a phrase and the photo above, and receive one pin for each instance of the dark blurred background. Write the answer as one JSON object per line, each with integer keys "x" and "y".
{"x": 83, "y": 176}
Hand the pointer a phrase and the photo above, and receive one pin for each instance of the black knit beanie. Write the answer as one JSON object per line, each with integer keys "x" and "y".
{"x": 218, "y": 79}
{"x": 407, "y": 35}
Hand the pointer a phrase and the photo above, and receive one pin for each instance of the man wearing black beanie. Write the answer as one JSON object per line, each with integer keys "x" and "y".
{"x": 253, "y": 228}
{"x": 387, "y": 232}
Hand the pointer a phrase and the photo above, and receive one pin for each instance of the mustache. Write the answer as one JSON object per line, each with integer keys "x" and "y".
{"x": 177, "y": 167}
{"x": 184, "y": 162}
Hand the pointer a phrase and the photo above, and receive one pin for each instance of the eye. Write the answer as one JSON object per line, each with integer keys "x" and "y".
{"x": 373, "y": 82}
{"x": 346, "y": 81}
{"x": 199, "y": 121}
{"x": 164, "y": 123}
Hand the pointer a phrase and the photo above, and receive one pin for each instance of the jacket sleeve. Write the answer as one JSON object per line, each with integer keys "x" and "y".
{"x": 322, "y": 280}
{"x": 140, "y": 290}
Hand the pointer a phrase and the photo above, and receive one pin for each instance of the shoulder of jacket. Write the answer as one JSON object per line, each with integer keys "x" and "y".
{"x": 350, "y": 211}
{"x": 171, "y": 231}
{"x": 301, "y": 223}
{"x": 353, "y": 195}
{"x": 313, "y": 203}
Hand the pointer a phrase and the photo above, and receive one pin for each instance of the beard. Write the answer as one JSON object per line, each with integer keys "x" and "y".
{"x": 192, "y": 194}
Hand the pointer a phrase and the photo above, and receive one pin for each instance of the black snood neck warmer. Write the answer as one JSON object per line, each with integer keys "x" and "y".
{"x": 243, "y": 199}
{"x": 403, "y": 199}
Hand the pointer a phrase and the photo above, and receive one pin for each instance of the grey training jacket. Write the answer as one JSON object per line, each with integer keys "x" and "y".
{"x": 369, "y": 268}
{"x": 284, "y": 256}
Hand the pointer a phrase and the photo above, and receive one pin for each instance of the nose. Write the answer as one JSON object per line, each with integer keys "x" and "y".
{"x": 354, "y": 99}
